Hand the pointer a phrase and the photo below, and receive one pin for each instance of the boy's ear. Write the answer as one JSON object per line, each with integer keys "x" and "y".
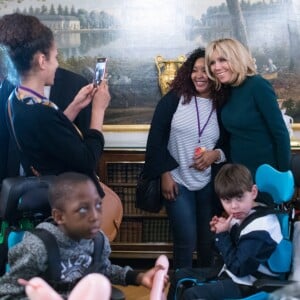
{"x": 254, "y": 191}
{"x": 57, "y": 215}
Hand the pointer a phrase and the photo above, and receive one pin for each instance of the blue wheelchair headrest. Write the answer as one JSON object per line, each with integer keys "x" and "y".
{"x": 280, "y": 185}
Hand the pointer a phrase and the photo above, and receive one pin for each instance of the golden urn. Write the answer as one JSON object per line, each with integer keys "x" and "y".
{"x": 167, "y": 71}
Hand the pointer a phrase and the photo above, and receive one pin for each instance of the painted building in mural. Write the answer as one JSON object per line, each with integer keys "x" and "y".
{"x": 61, "y": 25}
{"x": 131, "y": 33}
{"x": 261, "y": 23}
{"x": 56, "y": 22}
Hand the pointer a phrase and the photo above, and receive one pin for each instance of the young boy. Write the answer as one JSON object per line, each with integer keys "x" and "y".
{"x": 245, "y": 250}
{"x": 76, "y": 210}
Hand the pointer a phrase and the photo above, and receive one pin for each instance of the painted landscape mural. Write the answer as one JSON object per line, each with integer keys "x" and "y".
{"x": 131, "y": 33}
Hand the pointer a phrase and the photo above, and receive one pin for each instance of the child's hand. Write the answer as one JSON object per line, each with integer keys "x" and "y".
{"x": 146, "y": 279}
{"x": 223, "y": 224}
{"x": 213, "y": 223}
{"x": 156, "y": 278}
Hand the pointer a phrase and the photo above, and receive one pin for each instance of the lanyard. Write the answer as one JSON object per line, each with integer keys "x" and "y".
{"x": 200, "y": 130}
{"x": 24, "y": 88}
{"x": 40, "y": 98}
{"x": 46, "y": 102}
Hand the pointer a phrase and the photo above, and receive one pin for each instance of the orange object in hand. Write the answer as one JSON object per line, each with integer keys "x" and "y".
{"x": 199, "y": 150}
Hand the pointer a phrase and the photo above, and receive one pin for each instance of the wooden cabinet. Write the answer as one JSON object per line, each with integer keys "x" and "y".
{"x": 141, "y": 235}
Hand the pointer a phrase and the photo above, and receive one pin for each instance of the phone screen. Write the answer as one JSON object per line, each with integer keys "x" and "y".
{"x": 100, "y": 70}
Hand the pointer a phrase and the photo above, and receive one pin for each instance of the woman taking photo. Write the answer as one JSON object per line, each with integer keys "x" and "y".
{"x": 48, "y": 140}
{"x": 184, "y": 120}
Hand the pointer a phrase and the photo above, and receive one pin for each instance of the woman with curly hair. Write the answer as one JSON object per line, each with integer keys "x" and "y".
{"x": 184, "y": 148}
{"x": 49, "y": 142}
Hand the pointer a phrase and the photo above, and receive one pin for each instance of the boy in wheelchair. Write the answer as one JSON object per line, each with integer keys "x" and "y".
{"x": 82, "y": 248}
{"x": 246, "y": 239}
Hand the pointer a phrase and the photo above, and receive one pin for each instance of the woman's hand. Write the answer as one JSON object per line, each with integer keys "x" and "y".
{"x": 205, "y": 159}
{"x": 100, "y": 103}
{"x": 168, "y": 186}
{"x": 101, "y": 96}
{"x": 81, "y": 100}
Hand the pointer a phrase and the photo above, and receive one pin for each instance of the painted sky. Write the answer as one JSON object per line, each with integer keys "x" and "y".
{"x": 195, "y": 7}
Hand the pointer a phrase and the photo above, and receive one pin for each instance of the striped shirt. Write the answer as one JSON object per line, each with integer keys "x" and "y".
{"x": 184, "y": 138}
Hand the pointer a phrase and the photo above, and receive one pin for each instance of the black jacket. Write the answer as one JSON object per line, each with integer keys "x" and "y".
{"x": 66, "y": 86}
{"x": 50, "y": 142}
{"x": 9, "y": 161}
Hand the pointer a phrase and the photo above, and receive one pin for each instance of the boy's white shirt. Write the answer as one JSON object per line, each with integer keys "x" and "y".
{"x": 295, "y": 274}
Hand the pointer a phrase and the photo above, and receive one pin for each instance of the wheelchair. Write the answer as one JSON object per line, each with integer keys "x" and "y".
{"x": 23, "y": 205}
{"x": 281, "y": 187}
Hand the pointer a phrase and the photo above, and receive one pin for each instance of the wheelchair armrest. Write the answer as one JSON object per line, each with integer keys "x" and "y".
{"x": 271, "y": 285}
{"x": 117, "y": 294}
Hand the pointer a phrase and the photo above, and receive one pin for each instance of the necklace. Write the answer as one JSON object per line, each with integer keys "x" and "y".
{"x": 200, "y": 130}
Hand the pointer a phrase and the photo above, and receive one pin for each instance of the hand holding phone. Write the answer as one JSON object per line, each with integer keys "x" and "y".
{"x": 100, "y": 70}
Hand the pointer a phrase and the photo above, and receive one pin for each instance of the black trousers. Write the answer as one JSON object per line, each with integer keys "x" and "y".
{"x": 214, "y": 290}
{"x": 204, "y": 283}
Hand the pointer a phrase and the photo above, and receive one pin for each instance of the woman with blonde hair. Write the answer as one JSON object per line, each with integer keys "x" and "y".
{"x": 251, "y": 114}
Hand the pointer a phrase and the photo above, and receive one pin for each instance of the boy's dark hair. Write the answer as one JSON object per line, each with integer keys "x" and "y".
{"x": 24, "y": 36}
{"x": 232, "y": 181}
{"x": 61, "y": 189}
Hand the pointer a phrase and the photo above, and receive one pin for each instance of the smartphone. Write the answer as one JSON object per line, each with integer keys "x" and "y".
{"x": 100, "y": 70}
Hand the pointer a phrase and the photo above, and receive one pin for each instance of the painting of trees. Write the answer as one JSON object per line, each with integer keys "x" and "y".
{"x": 294, "y": 35}
{"x": 240, "y": 30}
{"x": 130, "y": 34}
{"x": 238, "y": 21}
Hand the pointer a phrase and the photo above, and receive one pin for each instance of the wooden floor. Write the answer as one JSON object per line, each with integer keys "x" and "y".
{"x": 135, "y": 292}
